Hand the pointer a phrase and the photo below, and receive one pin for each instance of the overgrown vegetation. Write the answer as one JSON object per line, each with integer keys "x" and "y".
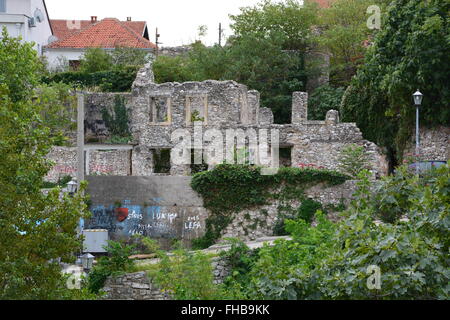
{"x": 183, "y": 275}
{"x": 409, "y": 52}
{"x": 36, "y": 229}
{"x": 353, "y": 160}
{"x": 331, "y": 260}
{"x": 322, "y": 100}
{"x": 114, "y": 264}
{"x": 62, "y": 182}
{"x": 228, "y": 189}
{"x": 116, "y": 80}
{"x": 117, "y": 121}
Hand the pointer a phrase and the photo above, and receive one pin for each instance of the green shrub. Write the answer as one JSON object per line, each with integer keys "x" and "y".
{"x": 116, "y": 263}
{"x": 322, "y": 100}
{"x": 228, "y": 189}
{"x": 184, "y": 275}
{"x": 279, "y": 271}
{"x": 353, "y": 160}
{"x": 307, "y": 210}
{"x": 95, "y": 60}
{"x": 330, "y": 261}
{"x": 119, "y": 79}
{"x": 117, "y": 122}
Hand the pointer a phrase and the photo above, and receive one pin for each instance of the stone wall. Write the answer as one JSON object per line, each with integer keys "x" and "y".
{"x": 174, "y": 51}
{"x": 160, "y": 109}
{"x": 257, "y": 223}
{"x": 65, "y": 163}
{"x": 139, "y": 286}
{"x": 108, "y": 162}
{"x": 434, "y": 144}
{"x": 98, "y": 162}
{"x": 96, "y": 129}
{"x": 133, "y": 286}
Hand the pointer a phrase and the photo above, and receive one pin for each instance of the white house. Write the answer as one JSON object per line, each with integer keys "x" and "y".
{"x": 28, "y": 19}
{"x": 73, "y": 37}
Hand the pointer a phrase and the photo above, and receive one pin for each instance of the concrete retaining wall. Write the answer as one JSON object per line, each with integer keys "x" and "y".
{"x": 161, "y": 207}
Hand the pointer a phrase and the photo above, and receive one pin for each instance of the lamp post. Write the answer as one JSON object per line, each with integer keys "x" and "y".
{"x": 72, "y": 187}
{"x": 87, "y": 260}
{"x": 418, "y": 96}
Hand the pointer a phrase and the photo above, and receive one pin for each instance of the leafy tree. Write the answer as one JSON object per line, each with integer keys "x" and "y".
{"x": 283, "y": 272}
{"x": 115, "y": 263}
{"x": 409, "y": 52}
{"x": 266, "y": 54}
{"x": 172, "y": 69}
{"x": 122, "y": 56}
{"x": 412, "y": 255}
{"x": 35, "y": 229}
{"x": 322, "y": 100}
{"x": 353, "y": 160}
{"x": 330, "y": 261}
{"x": 343, "y": 35}
{"x": 17, "y": 75}
{"x": 95, "y": 60}
{"x": 289, "y": 20}
{"x": 261, "y": 64}
{"x": 58, "y": 108}
{"x": 184, "y": 275}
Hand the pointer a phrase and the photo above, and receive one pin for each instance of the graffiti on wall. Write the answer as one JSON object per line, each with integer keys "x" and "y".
{"x": 100, "y": 169}
{"x": 154, "y": 221}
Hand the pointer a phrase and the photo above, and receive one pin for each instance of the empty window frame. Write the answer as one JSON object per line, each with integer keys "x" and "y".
{"x": 160, "y": 110}
{"x": 285, "y": 156}
{"x": 196, "y": 109}
{"x": 161, "y": 161}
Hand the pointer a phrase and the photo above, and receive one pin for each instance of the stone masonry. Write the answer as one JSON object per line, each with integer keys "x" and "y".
{"x": 249, "y": 225}
{"x": 133, "y": 286}
{"x": 434, "y": 144}
{"x": 206, "y": 112}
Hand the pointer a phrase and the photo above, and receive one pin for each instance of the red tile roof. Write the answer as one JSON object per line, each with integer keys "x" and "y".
{"x": 64, "y": 28}
{"x": 107, "y": 33}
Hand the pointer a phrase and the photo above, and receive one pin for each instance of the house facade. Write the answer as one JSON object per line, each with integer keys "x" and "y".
{"x": 73, "y": 37}
{"x": 27, "y": 19}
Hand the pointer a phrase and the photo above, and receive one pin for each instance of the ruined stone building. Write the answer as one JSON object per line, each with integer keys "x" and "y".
{"x": 142, "y": 176}
{"x": 155, "y": 111}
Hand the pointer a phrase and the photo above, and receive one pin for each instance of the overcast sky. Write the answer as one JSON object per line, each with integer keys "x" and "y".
{"x": 177, "y": 20}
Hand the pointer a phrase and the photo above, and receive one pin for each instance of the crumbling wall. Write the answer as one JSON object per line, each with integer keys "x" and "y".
{"x": 96, "y": 130}
{"x": 98, "y": 162}
{"x": 434, "y": 144}
{"x": 108, "y": 162}
{"x": 133, "y": 286}
{"x": 65, "y": 163}
{"x": 260, "y": 222}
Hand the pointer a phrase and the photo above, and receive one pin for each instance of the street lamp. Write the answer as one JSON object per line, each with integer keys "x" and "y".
{"x": 72, "y": 187}
{"x": 418, "y": 96}
{"x": 87, "y": 260}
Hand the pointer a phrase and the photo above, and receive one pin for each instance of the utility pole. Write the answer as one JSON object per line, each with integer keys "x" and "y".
{"x": 220, "y": 34}
{"x": 157, "y": 42}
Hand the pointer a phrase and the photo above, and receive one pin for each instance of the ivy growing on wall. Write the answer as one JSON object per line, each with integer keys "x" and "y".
{"x": 117, "y": 123}
{"x": 229, "y": 189}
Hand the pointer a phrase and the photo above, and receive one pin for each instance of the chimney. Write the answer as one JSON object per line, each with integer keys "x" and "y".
{"x": 93, "y": 19}
{"x": 128, "y": 18}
